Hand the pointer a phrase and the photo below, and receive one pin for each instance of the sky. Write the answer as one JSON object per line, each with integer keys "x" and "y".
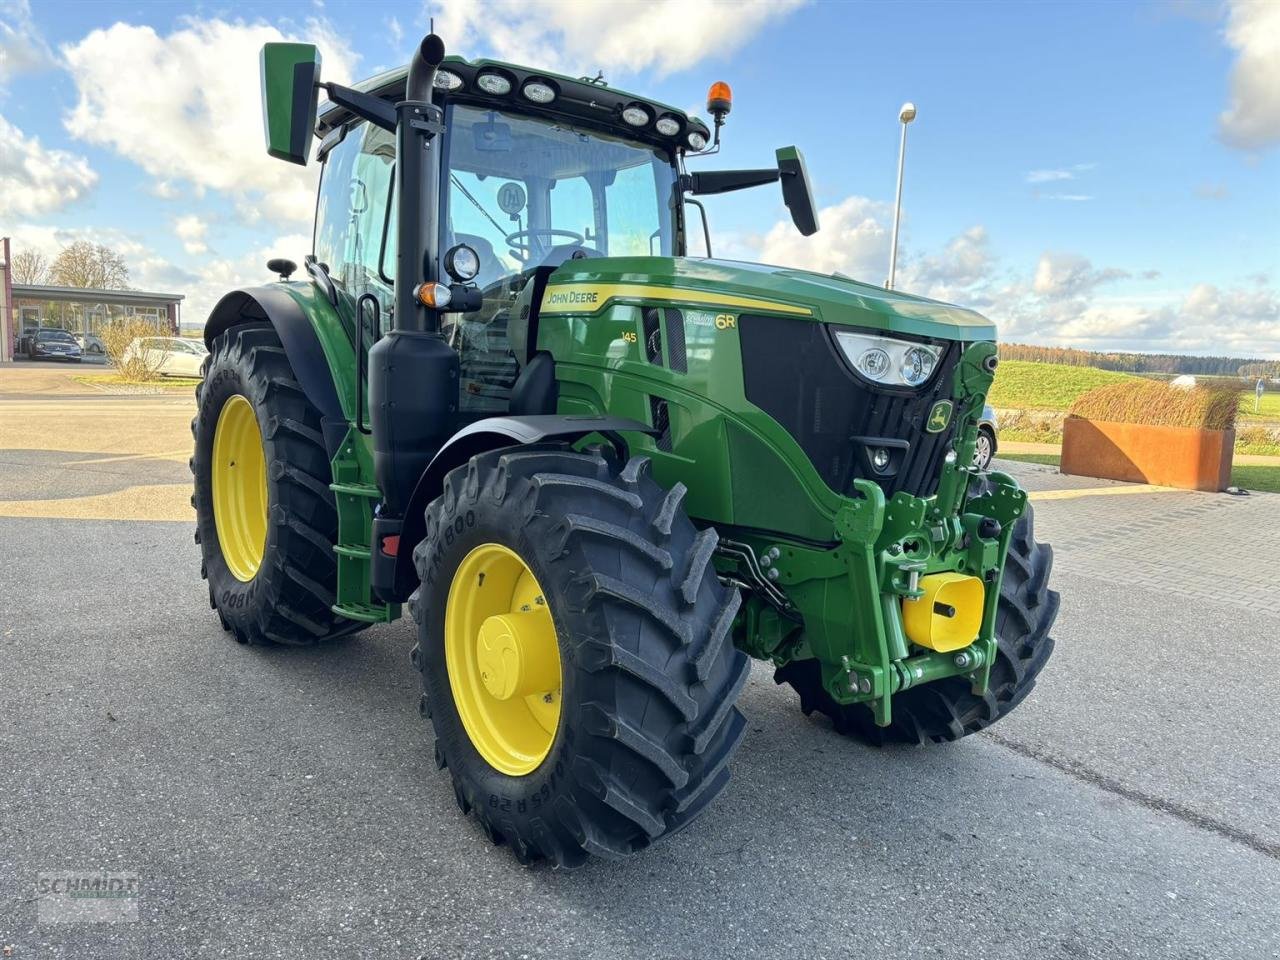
{"x": 1098, "y": 175}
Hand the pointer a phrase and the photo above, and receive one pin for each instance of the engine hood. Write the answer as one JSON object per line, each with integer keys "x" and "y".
{"x": 736, "y": 285}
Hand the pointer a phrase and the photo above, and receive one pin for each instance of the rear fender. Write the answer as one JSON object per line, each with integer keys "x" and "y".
{"x": 314, "y": 338}
{"x": 395, "y": 576}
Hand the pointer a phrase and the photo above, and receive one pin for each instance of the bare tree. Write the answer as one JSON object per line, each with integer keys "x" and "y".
{"x": 29, "y": 267}
{"x": 85, "y": 264}
{"x": 133, "y": 346}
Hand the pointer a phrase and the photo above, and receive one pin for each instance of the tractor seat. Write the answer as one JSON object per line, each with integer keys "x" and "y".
{"x": 536, "y": 390}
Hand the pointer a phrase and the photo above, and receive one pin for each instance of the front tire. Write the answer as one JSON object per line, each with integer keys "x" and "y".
{"x": 266, "y": 520}
{"x": 948, "y": 709}
{"x": 648, "y": 674}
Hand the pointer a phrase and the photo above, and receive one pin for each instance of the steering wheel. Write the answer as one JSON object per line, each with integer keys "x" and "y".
{"x": 514, "y": 240}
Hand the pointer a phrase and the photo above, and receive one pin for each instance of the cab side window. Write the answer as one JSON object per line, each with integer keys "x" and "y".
{"x": 351, "y": 212}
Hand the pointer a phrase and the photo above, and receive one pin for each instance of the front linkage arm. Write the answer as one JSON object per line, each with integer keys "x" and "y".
{"x": 850, "y": 598}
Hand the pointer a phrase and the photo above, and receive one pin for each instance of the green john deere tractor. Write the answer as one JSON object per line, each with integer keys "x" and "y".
{"x": 601, "y": 473}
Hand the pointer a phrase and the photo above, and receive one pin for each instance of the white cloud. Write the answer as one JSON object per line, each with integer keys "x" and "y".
{"x": 191, "y": 230}
{"x": 1048, "y": 176}
{"x": 1068, "y": 197}
{"x": 853, "y": 240}
{"x": 1059, "y": 173}
{"x": 1063, "y": 275}
{"x": 1063, "y": 306}
{"x": 186, "y": 107}
{"x": 957, "y": 273}
{"x": 36, "y": 179}
{"x": 1252, "y": 118}
{"x": 49, "y": 240}
{"x": 578, "y": 37}
{"x": 216, "y": 277}
{"x": 22, "y": 48}
{"x": 1238, "y": 315}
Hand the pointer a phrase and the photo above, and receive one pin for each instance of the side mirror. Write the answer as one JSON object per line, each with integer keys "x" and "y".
{"x": 796, "y": 192}
{"x": 290, "y": 73}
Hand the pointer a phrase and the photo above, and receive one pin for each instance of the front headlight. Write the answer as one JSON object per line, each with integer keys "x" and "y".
{"x": 889, "y": 361}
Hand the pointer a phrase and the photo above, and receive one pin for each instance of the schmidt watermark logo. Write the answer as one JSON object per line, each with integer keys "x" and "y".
{"x": 87, "y": 896}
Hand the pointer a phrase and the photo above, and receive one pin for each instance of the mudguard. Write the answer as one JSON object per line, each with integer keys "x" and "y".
{"x": 394, "y": 576}
{"x": 275, "y": 304}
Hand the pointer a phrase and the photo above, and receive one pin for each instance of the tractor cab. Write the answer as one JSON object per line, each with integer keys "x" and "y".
{"x": 535, "y": 170}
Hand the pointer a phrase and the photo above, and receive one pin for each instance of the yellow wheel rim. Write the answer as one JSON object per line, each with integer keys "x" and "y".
{"x": 240, "y": 488}
{"x": 503, "y": 660}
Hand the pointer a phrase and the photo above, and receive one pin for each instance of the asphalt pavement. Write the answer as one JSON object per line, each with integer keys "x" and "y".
{"x": 284, "y": 803}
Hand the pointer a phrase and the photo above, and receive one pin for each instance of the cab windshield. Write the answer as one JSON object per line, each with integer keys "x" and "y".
{"x": 525, "y": 192}
{"x": 528, "y": 193}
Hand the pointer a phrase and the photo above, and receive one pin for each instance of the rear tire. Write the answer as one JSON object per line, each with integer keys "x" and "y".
{"x": 288, "y": 599}
{"x": 947, "y": 709}
{"x": 649, "y": 673}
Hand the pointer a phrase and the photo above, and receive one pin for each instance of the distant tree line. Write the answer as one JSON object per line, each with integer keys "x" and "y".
{"x": 80, "y": 264}
{"x": 1167, "y": 363}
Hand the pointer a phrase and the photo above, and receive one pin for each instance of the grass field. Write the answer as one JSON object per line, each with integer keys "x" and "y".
{"x": 1027, "y": 385}
{"x": 1262, "y": 478}
{"x": 1269, "y": 409}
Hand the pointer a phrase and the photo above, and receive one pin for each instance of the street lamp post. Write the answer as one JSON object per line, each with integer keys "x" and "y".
{"x": 905, "y": 116}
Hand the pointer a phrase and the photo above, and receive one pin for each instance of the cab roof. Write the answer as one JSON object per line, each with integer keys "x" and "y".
{"x": 582, "y": 99}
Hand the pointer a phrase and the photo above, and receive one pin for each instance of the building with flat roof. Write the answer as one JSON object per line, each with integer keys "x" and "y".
{"x": 78, "y": 310}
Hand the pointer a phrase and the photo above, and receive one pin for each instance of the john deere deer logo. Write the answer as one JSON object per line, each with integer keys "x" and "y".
{"x": 939, "y": 417}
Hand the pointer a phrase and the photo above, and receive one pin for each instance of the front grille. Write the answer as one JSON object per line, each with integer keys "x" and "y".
{"x": 793, "y": 371}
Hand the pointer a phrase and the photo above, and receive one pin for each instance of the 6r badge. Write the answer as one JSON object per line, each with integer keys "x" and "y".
{"x": 939, "y": 416}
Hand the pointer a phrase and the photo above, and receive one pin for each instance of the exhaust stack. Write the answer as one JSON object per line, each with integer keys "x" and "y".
{"x": 422, "y": 68}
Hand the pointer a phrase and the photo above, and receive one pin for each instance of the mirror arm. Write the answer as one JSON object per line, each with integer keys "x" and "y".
{"x": 724, "y": 181}
{"x": 366, "y": 106}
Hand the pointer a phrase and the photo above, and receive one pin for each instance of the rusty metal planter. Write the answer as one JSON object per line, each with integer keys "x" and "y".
{"x": 1184, "y": 457}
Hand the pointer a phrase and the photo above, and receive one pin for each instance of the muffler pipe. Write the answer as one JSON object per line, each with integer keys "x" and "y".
{"x": 422, "y": 68}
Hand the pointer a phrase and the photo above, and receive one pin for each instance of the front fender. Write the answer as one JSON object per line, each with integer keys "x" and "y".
{"x": 479, "y": 437}
{"x": 314, "y": 338}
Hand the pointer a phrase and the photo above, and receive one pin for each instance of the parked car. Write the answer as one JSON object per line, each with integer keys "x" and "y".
{"x": 52, "y": 344}
{"x": 985, "y": 450}
{"x": 170, "y": 356}
{"x": 91, "y": 344}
